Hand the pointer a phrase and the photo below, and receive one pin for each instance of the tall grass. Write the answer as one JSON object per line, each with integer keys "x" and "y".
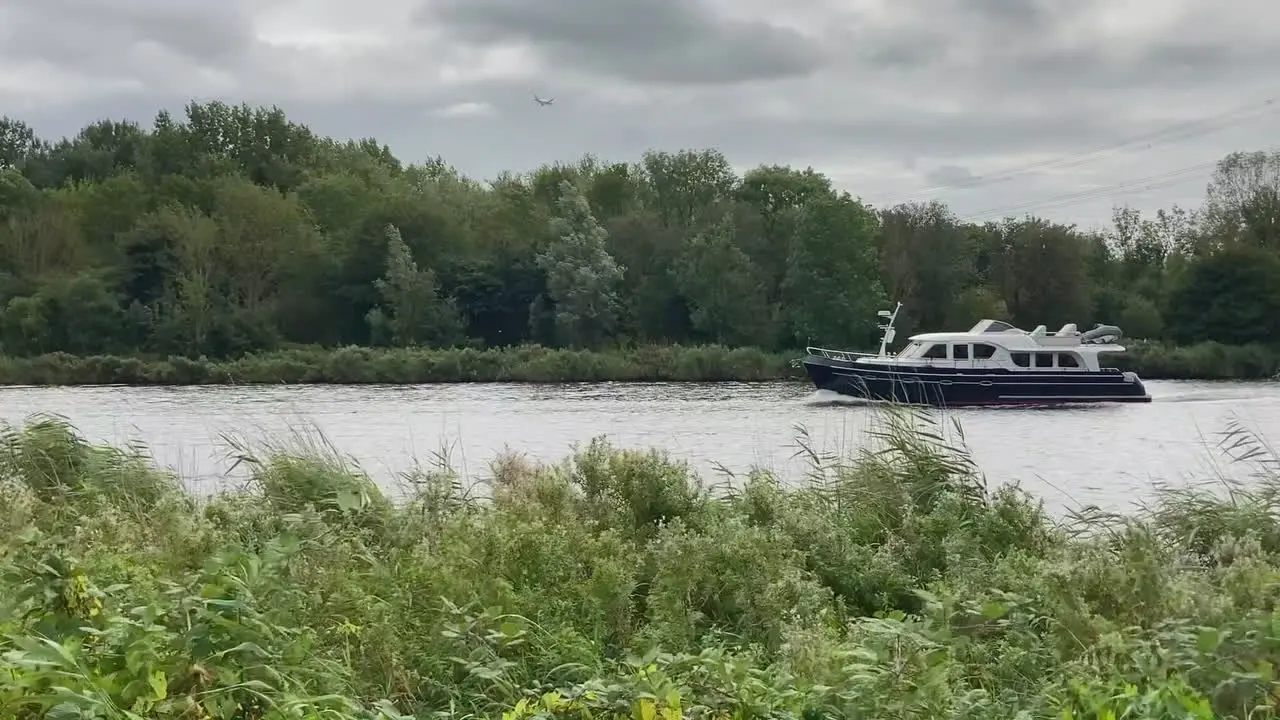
{"x": 616, "y": 584}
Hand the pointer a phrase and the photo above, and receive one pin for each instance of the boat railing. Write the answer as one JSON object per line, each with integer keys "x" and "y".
{"x": 838, "y": 355}
{"x": 887, "y": 317}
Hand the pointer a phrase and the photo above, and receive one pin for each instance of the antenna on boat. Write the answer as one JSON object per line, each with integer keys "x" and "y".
{"x": 889, "y": 318}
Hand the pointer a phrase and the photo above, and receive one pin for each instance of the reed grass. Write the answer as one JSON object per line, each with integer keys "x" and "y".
{"x": 894, "y": 583}
{"x": 403, "y": 366}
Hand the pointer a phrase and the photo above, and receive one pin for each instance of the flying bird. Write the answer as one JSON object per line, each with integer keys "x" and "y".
{"x": 541, "y": 101}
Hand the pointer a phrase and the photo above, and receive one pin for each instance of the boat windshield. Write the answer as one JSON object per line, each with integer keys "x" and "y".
{"x": 911, "y": 350}
{"x": 991, "y": 326}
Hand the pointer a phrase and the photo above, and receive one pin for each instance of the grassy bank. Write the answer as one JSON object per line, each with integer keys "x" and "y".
{"x": 1202, "y": 361}
{"x": 356, "y": 365}
{"x": 615, "y": 585}
{"x": 534, "y": 364}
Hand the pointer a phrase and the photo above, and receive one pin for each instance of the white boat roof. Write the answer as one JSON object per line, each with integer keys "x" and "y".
{"x": 999, "y": 332}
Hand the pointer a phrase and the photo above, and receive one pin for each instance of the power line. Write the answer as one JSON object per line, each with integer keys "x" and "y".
{"x": 1149, "y": 182}
{"x": 1180, "y": 131}
{"x": 1130, "y": 186}
{"x": 1172, "y": 133}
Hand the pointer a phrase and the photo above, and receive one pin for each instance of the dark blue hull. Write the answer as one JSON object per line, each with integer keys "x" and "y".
{"x": 954, "y": 387}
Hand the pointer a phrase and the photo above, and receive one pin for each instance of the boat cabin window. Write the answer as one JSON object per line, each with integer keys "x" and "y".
{"x": 1045, "y": 359}
{"x": 983, "y": 351}
{"x": 959, "y": 352}
{"x": 936, "y": 352}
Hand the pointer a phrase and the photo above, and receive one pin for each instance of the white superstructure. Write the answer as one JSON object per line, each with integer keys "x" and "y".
{"x": 994, "y": 344}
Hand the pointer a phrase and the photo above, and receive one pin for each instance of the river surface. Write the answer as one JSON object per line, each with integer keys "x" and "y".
{"x": 1104, "y": 455}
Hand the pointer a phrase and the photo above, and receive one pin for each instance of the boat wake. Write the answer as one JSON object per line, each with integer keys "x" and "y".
{"x": 1208, "y": 397}
{"x": 831, "y": 398}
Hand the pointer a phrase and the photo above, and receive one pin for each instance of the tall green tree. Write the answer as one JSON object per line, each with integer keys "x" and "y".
{"x": 832, "y": 288}
{"x": 412, "y": 310}
{"x": 1232, "y": 296}
{"x": 1242, "y": 203}
{"x": 649, "y": 250}
{"x": 774, "y": 192}
{"x": 926, "y": 262}
{"x": 1041, "y": 270}
{"x": 725, "y": 292}
{"x": 177, "y": 263}
{"x": 582, "y": 277}
{"x": 686, "y": 183}
{"x": 18, "y": 143}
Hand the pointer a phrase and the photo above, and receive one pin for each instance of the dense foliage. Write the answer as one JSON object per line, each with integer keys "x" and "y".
{"x": 237, "y": 230}
{"x": 614, "y": 585}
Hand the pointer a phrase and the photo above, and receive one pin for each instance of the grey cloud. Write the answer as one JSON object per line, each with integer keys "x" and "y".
{"x": 1166, "y": 64}
{"x": 909, "y": 52}
{"x": 675, "y": 41}
{"x": 949, "y": 175}
{"x": 1023, "y": 46}
{"x": 729, "y": 120}
{"x": 930, "y": 36}
{"x": 1017, "y": 14}
{"x": 928, "y": 135}
{"x": 90, "y": 32}
{"x": 1178, "y": 61}
{"x": 1045, "y": 46}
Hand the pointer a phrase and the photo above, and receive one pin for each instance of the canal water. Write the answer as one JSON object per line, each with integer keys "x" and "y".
{"x": 1111, "y": 456}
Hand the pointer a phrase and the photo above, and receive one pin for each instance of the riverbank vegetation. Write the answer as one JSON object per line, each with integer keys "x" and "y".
{"x": 894, "y": 584}
{"x": 537, "y": 364}
{"x": 402, "y": 366}
{"x": 235, "y": 231}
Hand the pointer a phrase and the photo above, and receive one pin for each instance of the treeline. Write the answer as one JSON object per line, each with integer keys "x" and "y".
{"x": 236, "y": 230}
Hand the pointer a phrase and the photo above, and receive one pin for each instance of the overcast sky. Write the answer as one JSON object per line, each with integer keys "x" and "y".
{"x": 996, "y": 106}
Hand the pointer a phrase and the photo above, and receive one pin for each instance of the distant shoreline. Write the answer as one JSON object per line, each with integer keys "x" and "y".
{"x": 410, "y": 366}
{"x": 1201, "y": 361}
{"x": 540, "y": 365}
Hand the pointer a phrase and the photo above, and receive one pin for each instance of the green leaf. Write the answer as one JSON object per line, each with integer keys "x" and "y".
{"x": 993, "y": 610}
{"x": 159, "y": 684}
{"x": 1208, "y": 640}
{"x": 348, "y": 501}
{"x": 64, "y": 711}
{"x": 388, "y": 710}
